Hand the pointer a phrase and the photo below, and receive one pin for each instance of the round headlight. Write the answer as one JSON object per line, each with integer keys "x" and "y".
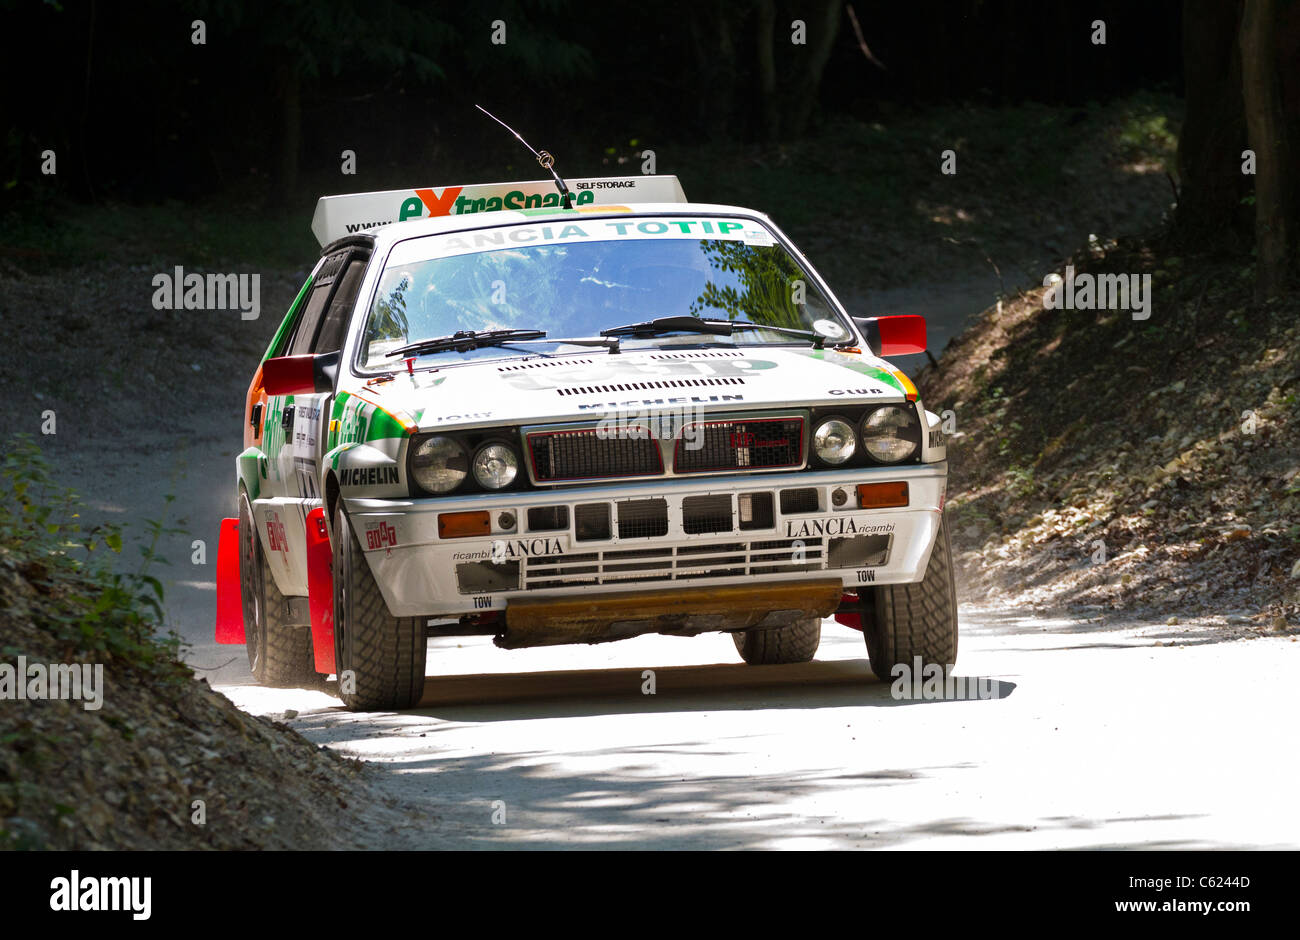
{"x": 834, "y": 441}
{"x": 495, "y": 466}
{"x": 890, "y": 433}
{"x": 439, "y": 464}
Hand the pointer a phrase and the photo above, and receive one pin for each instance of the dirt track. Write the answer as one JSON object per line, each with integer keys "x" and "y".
{"x": 1102, "y": 736}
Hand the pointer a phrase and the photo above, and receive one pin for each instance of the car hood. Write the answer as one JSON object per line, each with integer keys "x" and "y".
{"x": 572, "y": 387}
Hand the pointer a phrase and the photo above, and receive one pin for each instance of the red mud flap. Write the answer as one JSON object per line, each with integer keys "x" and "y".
{"x": 320, "y": 591}
{"x": 230, "y": 606}
{"x": 854, "y": 619}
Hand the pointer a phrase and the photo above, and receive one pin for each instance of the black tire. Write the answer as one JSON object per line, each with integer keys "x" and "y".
{"x": 384, "y": 654}
{"x": 796, "y": 643}
{"x": 278, "y": 654}
{"x": 911, "y": 620}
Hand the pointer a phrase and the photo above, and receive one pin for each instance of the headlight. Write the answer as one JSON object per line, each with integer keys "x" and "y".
{"x": 495, "y": 466}
{"x": 834, "y": 441}
{"x": 890, "y": 434}
{"x": 439, "y": 464}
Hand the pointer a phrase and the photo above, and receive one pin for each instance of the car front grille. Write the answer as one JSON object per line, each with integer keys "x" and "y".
{"x": 590, "y": 455}
{"x": 613, "y": 449}
{"x": 757, "y": 443}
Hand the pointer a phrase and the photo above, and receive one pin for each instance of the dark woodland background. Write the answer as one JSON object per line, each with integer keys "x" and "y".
{"x": 263, "y": 109}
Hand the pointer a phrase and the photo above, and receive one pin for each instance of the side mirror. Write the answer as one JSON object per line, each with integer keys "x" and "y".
{"x": 300, "y": 375}
{"x": 901, "y": 335}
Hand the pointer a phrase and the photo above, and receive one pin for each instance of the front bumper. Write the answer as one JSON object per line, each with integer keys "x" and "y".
{"x": 653, "y": 542}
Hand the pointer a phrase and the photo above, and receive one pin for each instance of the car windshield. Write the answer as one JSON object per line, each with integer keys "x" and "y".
{"x": 573, "y": 278}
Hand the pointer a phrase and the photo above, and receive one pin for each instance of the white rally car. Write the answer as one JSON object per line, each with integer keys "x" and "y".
{"x": 486, "y": 413}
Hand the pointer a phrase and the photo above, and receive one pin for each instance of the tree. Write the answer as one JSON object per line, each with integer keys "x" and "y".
{"x": 1211, "y": 184}
{"x": 1238, "y": 99}
{"x": 713, "y": 26}
{"x": 397, "y": 40}
{"x": 1267, "y": 131}
{"x": 788, "y": 105}
{"x": 309, "y": 39}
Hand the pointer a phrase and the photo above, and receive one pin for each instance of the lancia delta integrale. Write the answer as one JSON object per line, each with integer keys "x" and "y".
{"x": 494, "y": 410}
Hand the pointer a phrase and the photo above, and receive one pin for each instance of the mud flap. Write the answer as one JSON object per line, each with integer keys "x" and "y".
{"x": 320, "y": 591}
{"x": 850, "y": 618}
{"x": 230, "y": 604}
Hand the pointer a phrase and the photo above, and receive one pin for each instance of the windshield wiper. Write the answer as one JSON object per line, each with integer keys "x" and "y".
{"x": 465, "y": 340}
{"x": 661, "y": 325}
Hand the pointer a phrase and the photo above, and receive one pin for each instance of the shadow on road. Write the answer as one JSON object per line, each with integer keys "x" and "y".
{"x": 666, "y": 795}
{"x": 520, "y": 696}
{"x": 1010, "y": 622}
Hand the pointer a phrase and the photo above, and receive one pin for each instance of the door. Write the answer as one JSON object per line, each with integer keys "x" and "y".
{"x": 296, "y": 426}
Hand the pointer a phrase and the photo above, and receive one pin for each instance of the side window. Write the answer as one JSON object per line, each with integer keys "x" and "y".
{"x": 293, "y": 316}
{"x": 308, "y": 325}
{"x": 330, "y": 337}
{"x": 305, "y": 329}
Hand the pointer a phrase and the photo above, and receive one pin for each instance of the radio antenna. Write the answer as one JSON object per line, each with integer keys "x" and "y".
{"x": 544, "y": 158}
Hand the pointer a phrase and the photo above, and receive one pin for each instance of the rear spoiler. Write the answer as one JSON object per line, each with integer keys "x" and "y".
{"x": 337, "y": 216}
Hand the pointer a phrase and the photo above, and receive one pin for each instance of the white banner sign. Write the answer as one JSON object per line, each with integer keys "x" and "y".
{"x": 337, "y": 216}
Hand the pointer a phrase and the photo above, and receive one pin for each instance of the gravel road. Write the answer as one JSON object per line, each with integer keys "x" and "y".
{"x": 1102, "y": 734}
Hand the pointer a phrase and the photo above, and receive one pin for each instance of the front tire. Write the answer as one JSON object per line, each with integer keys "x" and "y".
{"x": 796, "y": 643}
{"x": 279, "y": 654}
{"x": 911, "y": 620}
{"x": 379, "y": 657}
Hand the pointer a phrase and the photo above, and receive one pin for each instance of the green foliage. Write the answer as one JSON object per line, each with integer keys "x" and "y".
{"x": 317, "y": 39}
{"x": 66, "y": 598}
{"x": 867, "y": 204}
{"x": 83, "y": 600}
{"x": 1144, "y": 131}
{"x": 1019, "y": 481}
{"x": 411, "y": 41}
